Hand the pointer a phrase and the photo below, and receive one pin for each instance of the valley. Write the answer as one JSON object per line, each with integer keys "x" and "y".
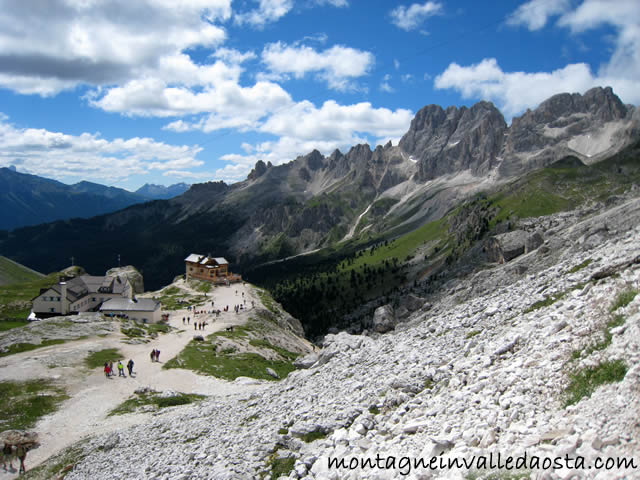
{"x": 470, "y": 291}
{"x": 537, "y": 356}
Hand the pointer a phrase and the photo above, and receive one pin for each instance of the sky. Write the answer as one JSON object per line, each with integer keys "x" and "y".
{"x": 124, "y": 92}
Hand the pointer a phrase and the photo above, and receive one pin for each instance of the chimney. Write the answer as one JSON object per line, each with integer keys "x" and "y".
{"x": 64, "y": 304}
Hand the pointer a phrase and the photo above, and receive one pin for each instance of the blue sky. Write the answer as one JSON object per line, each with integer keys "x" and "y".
{"x": 156, "y": 91}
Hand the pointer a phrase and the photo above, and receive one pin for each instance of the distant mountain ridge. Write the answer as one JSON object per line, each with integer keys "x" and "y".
{"x": 160, "y": 192}
{"x": 30, "y": 199}
{"x": 314, "y": 201}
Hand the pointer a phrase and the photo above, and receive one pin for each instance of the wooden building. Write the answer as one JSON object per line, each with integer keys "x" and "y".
{"x": 211, "y": 269}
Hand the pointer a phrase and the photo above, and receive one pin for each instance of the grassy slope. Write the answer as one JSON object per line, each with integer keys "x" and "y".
{"x": 23, "y": 403}
{"x": 224, "y": 354}
{"x": 15, "y": 299}
{"x": 12, "y": 272}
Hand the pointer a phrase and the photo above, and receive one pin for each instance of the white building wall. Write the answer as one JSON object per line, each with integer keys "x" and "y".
{"x": 48, "y": 302}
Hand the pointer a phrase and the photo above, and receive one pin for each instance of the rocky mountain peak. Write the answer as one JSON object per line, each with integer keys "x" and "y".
{"x": 315, "y": 160}
{"x": 207, "y": 187}
{"x": 567, "y": 124}
{"x": 600, "y": 103}
{"x": 259, "y": 170}
{"x": 455, "y": 139}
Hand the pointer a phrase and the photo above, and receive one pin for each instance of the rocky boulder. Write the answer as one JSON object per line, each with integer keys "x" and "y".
{"x": 384, "y": 319}
{"x": 533, "y": 241}
{"x": 130, "y": 273}
{"x": 506, "y": 246}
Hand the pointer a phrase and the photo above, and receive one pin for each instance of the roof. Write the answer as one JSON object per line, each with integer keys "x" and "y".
{"x": 128, "y": 305}
{"x": 204, "y": 259}
{"x": 83, "y": 285}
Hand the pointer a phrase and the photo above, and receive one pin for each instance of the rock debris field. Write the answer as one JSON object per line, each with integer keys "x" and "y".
{"x": 475, "y": 374}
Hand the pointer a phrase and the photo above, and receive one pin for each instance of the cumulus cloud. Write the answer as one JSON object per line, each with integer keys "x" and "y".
{"x": 412, "y": 17}
{"x": 337, "y": 65}
{"x": 303, "y": 127}
{"x": 88, "y": 156}
{"x": 622, "y": 70}
{"x": 535, "y": 13}
{"x": 69, "y": 43}
{"x": 516, "y": 91}
{"x": 513, "y": 92}
{"x": 268, "y": 11}
{"x": 385, "y": 86}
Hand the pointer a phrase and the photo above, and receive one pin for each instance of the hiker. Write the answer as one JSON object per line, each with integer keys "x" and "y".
{"x": 7, "y": 456}
{"x": 157, "y": 355}
{"x": 111, "y": 372}
{"x": 195, "y": 325}
{"x": 130, "y": 367}
{"x": 21, "y": 453}
{"x": 153, "y": 354}
{"x": 106, "y": 369}
{"x": 184, "y": 321}
{"x": 121, "y": 369}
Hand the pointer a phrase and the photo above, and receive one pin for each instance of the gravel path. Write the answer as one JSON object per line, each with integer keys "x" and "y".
{"x": 93, "y": 395}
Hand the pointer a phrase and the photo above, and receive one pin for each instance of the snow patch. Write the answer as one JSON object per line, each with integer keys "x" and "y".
{"x": 596, "y": 142}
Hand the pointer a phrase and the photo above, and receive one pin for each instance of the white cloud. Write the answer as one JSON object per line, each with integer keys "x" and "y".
{"x": 233, "y": 56}
{"x": 333, "y": 122}
{"x": 334, "y": 3}
{"x": 622, "y": 70}
{"x": 535, "y": 13}
{"x": 69, "y": 43}
{"x": 410, "y": 18}
{"x": 516, "y": 91}
{"x": 88, "y": 156}
{"x": 268, "y": 11}
{"x": 385, "y": 86}
{"x": 304, "y": 127}
{"x": 513, "y": 91}
{"x": 337, "y": 65}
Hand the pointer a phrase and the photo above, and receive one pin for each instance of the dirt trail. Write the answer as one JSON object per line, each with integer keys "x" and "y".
{"x": 93, "y": 395}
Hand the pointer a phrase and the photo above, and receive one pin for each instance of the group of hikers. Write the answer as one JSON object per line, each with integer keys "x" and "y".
{"x": 10, "y": 451}
{"x": 109, "y": 370}
{"x": 155, "y": 355}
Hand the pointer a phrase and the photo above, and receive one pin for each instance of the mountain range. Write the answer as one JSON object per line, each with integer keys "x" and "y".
{"x": 345, "y": 202}
{"x": 162, "y": 192}
{"x": 30, "y": 200}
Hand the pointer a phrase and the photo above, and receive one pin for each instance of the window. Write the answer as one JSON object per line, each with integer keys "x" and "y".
{"x": 58, "y": 299}
{"x": 93, "y": 299}
{"x": 52, "y": 310}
